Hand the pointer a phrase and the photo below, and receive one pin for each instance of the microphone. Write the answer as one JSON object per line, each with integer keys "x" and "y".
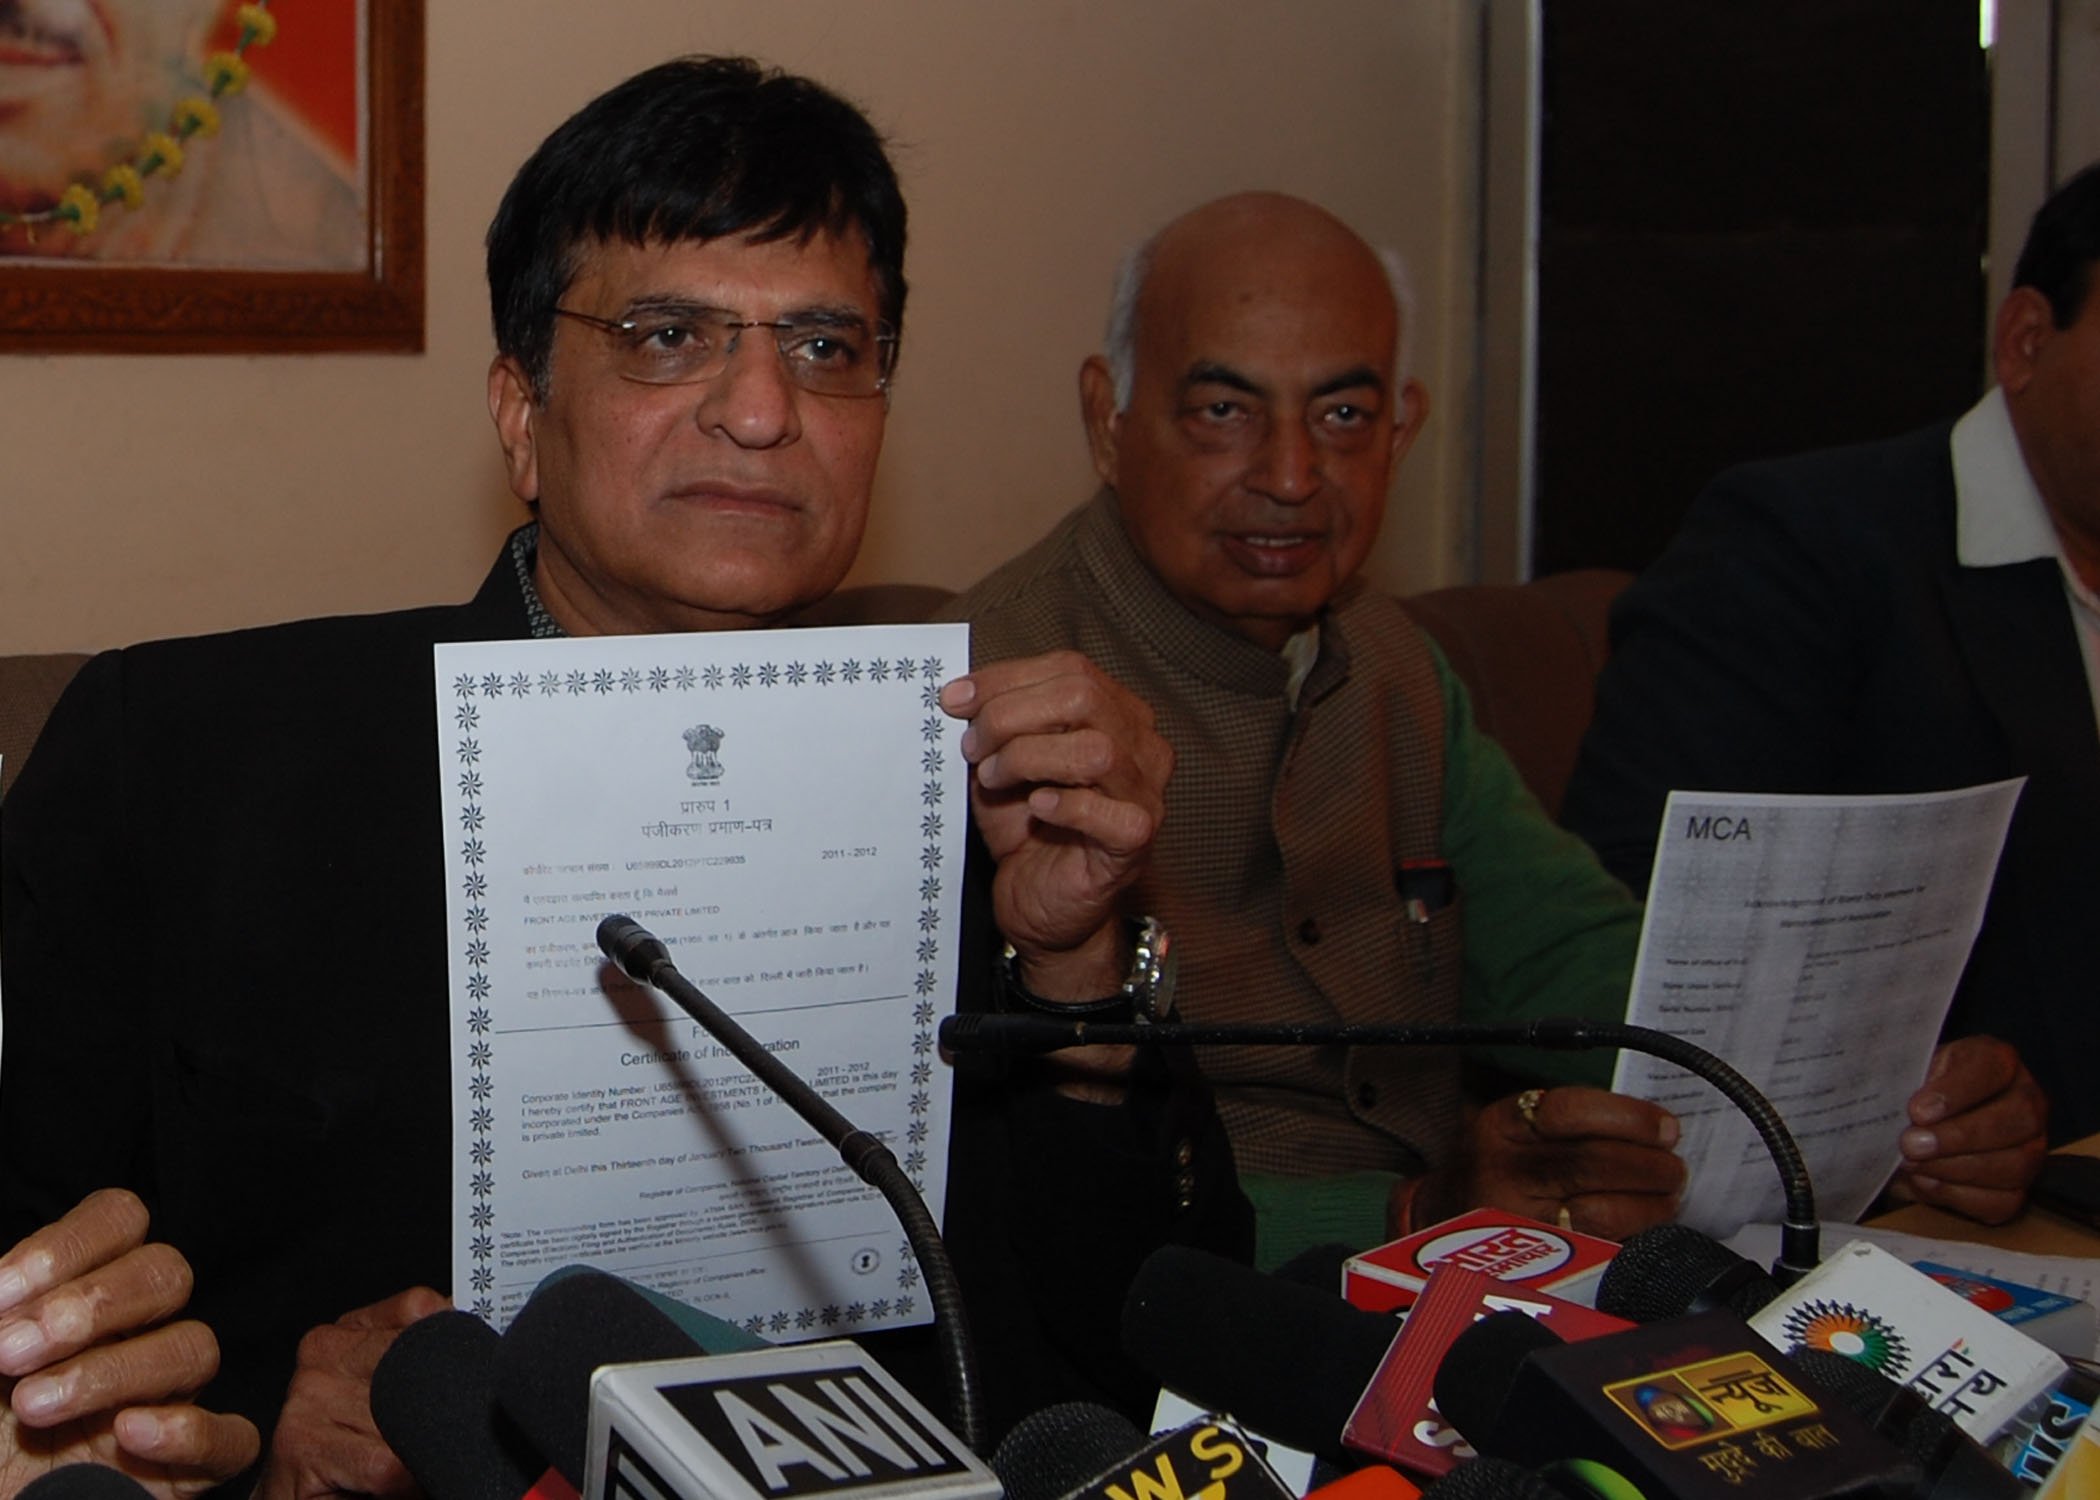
{"x": 1211, "y": 1458}
{"x": 1955, "y": 1465}
{"x": 1288, "y": 1361}
{"x": 84, "y": 1481}
{"x": 555, "y": 1345}
{"x": 1497, "y": 1479}
{"x": 1799, "y": 1233}
{"x": 1397, "y": 1418}
{"x": 1697, "y": 1408}
{"x": 710, "y": 1334}
{"x": 621, "y": 1398}
{"x": 1052, "y": 1452}
{"x": 637, "y": 951}
{"x": 1669, "y": 1270}
{"x": 1371, "y": 1482}
{"x": 434, "y": 1400}
{"x": 1865, "y": 1303}
{"x": 1321, "y": 1266}
{"x": 643, "y": 958}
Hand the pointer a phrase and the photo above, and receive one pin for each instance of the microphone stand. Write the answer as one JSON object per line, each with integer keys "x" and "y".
{"x": 642, "y": 957}
{"x": 1799, "y": 1235}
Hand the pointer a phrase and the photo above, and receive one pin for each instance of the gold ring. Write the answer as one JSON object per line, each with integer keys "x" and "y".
{"x": 1528, "y": 1106}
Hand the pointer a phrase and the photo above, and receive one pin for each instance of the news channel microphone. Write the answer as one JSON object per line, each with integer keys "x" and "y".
{"x": 1289, "y": 1361}
{"x": 1671, "y": 1269}
{"x": 1799, "y": 1233}
{"x": 548, "y": 1357}
{"x": 434, "y": 1400}
{"x": 1668, "y": 1270}
{"x": 1499, "y": 1479}
{"x": 1954, "y": 1465}
{"x": 642, "y": 957}
{"x": 619, "y": 1398}
{"x": 1696, "y": 1409}
{"x": 1371, "y": 1482}
{"x": 1079, "y": 1451}
{"x": 1866, "y": 1304}
{"x": 1051, "y": 1453}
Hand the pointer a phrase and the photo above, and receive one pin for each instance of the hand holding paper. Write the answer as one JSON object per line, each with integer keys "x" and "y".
{"x": 1815, "y": 943}
{"x": 1979, "y": 1130}
{"x": 1069, "y": 787}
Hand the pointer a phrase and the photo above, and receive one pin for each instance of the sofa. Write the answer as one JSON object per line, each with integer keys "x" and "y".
{"x": 1529, "y": 655}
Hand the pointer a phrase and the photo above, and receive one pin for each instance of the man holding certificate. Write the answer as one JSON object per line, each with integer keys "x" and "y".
{"x": 698, "y": 289}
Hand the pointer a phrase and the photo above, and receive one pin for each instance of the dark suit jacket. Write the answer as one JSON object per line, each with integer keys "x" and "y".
{"x": 1810, "y": 630}
{"x": 221, "y": 881}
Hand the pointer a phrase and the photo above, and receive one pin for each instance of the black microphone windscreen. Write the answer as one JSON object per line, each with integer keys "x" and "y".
{"x": 1492, "y": 1479}
{"x": 434, "y": 1399}
{"x": 1288, "y": 1361}
{"x": 1955, "y": 1466}
{"x": 558, "y": 1339}
{"x": 1671, "y": 1269}
{"x": 85, "y": 1482}
{"x": 1054, "y": 1451}
{"x": 1866, "y": 1391}
{"x": 1473, "y": 1382}
{"x": 1320, "y": 1266}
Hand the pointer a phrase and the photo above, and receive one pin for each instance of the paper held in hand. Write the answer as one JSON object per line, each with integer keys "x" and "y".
{"x": 786, "y": 809}
{"x": 1814, "y": 944}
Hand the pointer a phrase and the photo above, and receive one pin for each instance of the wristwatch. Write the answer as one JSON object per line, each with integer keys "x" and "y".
{"x": 1147, "y": 994}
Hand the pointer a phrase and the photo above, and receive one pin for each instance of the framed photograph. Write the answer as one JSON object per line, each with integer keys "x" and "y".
{"x": 211, "y": 176}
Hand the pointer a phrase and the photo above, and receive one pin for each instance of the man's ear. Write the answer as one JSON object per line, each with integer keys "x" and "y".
{"x": 513, "y": 410}
{"x": 1097, "y": 409}
{"x": 1407, "y": 423}
{"x": 2025, "y": 322}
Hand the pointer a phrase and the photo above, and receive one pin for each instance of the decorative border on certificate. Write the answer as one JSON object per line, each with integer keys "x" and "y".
{"x": 478, "y": 704}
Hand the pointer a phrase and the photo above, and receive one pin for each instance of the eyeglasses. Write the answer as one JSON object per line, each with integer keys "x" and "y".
{"x": 824, "y": 354}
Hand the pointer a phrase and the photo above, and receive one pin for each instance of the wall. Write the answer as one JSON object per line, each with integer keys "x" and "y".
{"x": 162, "y": 496}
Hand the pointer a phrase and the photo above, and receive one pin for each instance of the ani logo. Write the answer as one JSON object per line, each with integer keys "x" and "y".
{"x": 704, "y": 740}
{"x": 1851, "y": 1331}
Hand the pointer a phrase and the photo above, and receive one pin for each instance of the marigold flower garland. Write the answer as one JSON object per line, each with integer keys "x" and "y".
{"x": 160, "y": 153}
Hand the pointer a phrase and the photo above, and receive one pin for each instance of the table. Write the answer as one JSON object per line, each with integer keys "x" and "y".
{"x": 2035, "y": 1232}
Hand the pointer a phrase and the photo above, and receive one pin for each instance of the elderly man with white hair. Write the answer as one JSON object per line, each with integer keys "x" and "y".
{"x": 1341, "y": 842}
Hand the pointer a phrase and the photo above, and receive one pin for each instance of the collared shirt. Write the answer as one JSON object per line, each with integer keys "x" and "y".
{"x": 524, "y": 556}
{"x": 2000, "y": 518}
{"x": 1300, "y": 652}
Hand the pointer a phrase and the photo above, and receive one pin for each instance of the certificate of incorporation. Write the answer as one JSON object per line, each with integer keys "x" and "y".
{"x": 786, "y": 810}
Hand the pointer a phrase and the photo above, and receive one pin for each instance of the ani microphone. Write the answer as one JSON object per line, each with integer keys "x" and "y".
{"x": 434, "y": 1399}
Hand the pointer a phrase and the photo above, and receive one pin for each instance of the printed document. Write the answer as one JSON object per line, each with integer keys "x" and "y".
{"x": 786, "y": 810}
{"x": 1812, "y": 943}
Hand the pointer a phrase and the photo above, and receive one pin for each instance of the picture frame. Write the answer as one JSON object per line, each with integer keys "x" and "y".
{"x": 49, "y": 306}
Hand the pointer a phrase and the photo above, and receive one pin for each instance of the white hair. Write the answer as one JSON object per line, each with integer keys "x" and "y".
{"x": 1136, "y": 269}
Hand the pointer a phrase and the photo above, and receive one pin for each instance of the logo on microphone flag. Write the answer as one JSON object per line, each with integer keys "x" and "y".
{"x": 772, "y": 1424}
{"x": 1397, "y": 1418}
{"x": 1529, "y": 1255}
{"x": 1709, "y": 1399}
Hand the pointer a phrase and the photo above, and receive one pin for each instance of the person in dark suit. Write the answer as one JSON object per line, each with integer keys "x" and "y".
{"x": 1906, "y": 616}
{"x": 697, "y": 285}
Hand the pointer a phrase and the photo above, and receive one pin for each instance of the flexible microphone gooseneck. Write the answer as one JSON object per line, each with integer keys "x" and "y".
{"x": 642, "y": 957}
{"x": 1799, "y": 1237}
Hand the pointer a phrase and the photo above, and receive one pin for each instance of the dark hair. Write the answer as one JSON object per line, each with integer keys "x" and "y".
{"x": 691, "y": 149}
{"x": 2062, "y": 244}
